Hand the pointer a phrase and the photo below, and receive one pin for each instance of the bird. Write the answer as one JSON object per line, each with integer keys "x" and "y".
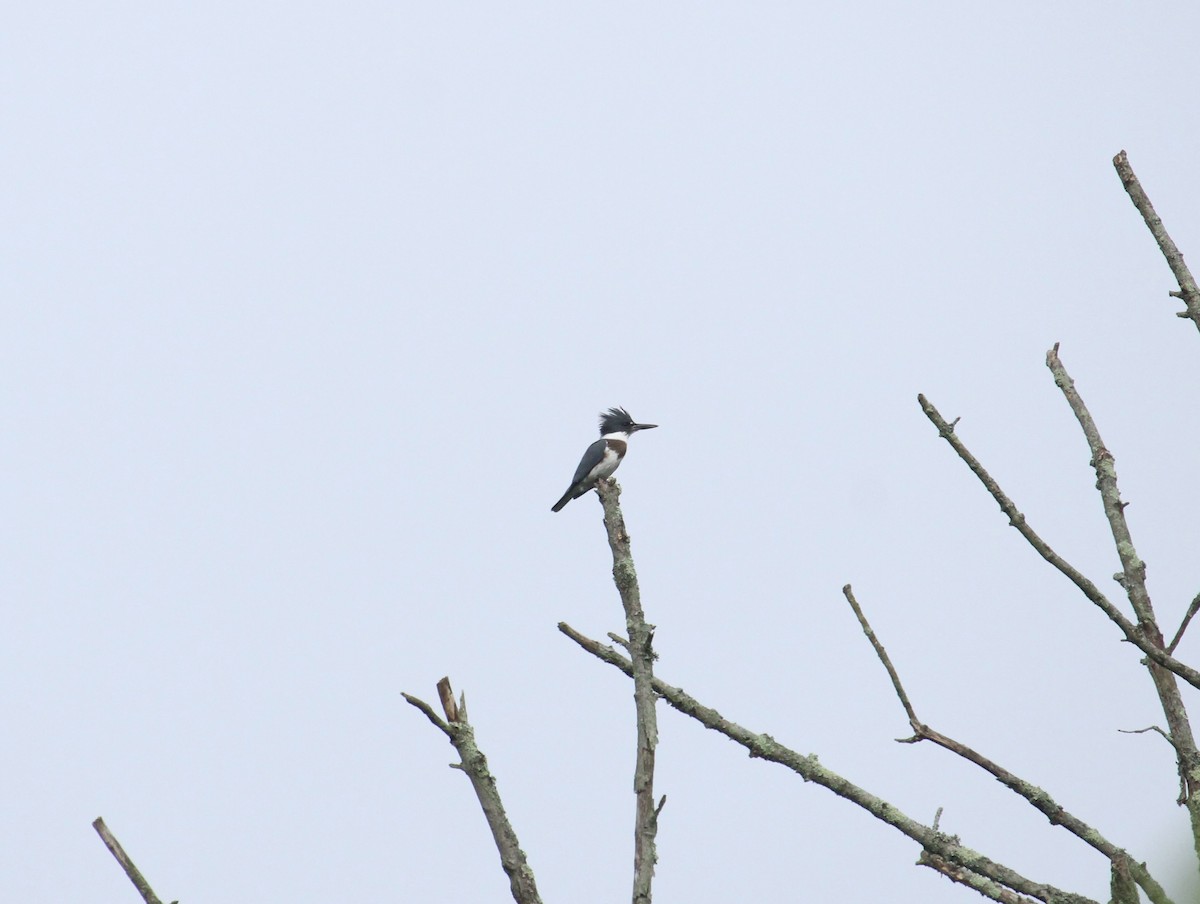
{"x": 602, "y": 456}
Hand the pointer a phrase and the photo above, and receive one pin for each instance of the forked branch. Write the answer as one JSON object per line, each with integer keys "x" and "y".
{"x": 1037, "y": 798}
{"x": 1018, "y": 520}
{"x": 474, "y": 764}
{"x": 809, "y": 768}
{"x": 640, "y": 639}
{"x": 1133, "y": 579}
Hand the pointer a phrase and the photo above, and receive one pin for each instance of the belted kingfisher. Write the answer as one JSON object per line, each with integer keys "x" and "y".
{"x": 602, "y": 456}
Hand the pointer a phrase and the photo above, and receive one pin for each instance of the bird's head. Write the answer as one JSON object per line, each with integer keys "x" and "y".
{"x": 617, "y": 420}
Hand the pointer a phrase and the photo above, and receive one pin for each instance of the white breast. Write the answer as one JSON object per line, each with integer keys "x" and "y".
{"x": 607, "y": 465}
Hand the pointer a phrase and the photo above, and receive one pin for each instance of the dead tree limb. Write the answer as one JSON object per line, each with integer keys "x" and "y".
{"x": 1037, "y": 798}
{"x": 972, "y": 880}
{"x": 474, "y": 764}
{"x": 763, "y": 746}
{"x": 641, "y": 637}
{"x": 1188, "y": 292}
{"x": 1133, "y": 579}
{"x": 1087, "y": 587}
{"x": 134, "y": 874}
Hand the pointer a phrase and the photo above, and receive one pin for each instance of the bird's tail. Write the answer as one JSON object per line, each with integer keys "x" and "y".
{"x": 567, "y": 497}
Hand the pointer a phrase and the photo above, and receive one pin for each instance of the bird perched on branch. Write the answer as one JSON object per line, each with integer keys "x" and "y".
{"x": 602, "y": 456}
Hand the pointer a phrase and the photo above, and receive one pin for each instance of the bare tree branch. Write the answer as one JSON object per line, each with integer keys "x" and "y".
{"x": 1133, "y": 579}
{"x": 474, "y": 764}
{"x": 135, "y": 876}
{"x": 641, "y": 637}
{"x": 1133, "y": 568}
{"x": 1039, "y": 799}
{"x": 1188, "y": 291}
{"x": 1124, "y": 891}
{"x": 1017, "y": 520}
{"x": 429, "y": 713}
{"x": 887, "y": 663}
{"x": 763, "y": 746}
{"x": 964, "y": 876}
{"x": 1192, "y": 609}
{"x": 1183, "y": 789}
{"x": 1154, "y": 728}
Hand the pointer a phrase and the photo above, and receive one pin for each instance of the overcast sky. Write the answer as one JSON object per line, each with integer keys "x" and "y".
{"x": 309, "y": 311}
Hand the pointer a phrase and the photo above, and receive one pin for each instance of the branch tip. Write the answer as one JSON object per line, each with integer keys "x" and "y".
{"x": 126, "y": 864}
{"x": 424, "y": 707}
{"x": 446, "y": 695}
{"x": 1195, "y": 605}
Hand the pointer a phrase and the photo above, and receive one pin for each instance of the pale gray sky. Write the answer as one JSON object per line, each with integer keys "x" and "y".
{"x": 309, "y": 312}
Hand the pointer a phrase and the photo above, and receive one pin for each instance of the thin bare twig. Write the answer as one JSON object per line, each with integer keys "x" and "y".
{"x": 1133, "y": 579}
{"x": 809, "y": 768}
{"x": 1037, "y": 798}
{"x": 429, "y": 713}
{"x": 1017, "y": 520}
{"x": 641, "y": 637}
{"x": 134, "y": 874}
{"x": 887, "y": 663}
{"x": 1183, "y": 788}
{"x": 1188, "y": 291}
{"x": 1154, "y": 728}
{"x": 474, "y": 764}
{"x": 1192, "y": 609}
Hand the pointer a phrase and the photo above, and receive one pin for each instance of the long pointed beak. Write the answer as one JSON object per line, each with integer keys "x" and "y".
{"x": 644, "y": 426}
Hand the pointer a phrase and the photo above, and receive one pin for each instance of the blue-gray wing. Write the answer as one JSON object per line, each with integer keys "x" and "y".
{"x": 592, "y": 457}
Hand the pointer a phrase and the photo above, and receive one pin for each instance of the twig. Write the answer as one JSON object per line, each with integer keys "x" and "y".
{"x": 887, "y": 664}
{"x": 641, "y": 637}
{"x": 619, "y": 640}
{"x": 1166, "y": 736}
{"x": 1192, "y": 609}
{"x": 1017, "y": 520}
{"x": 763, "y": 746}
{"x": 429, "y": 713}
{"x": 1188, "y": 291}
{"x": 1037, "y": 798}
{"x": 474, "y": 764}
{"x": 1133, "y": 579}
{"x": 134, "y": 874}
{"x": 1183, "y": 788}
